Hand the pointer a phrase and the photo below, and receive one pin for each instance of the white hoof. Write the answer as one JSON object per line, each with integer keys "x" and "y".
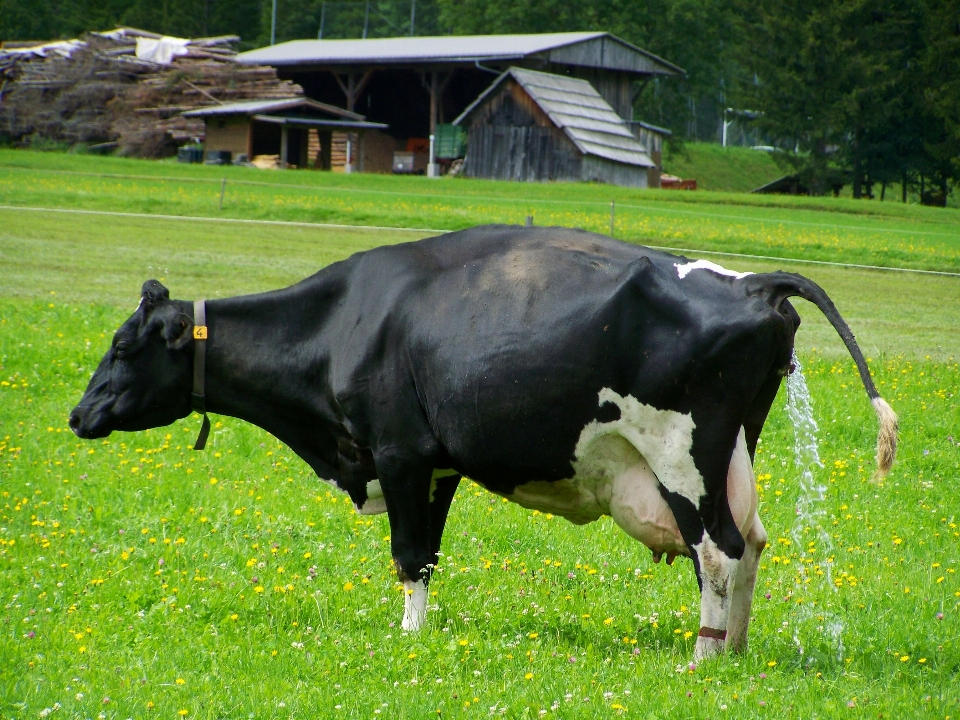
{"x": 707, "y": 648}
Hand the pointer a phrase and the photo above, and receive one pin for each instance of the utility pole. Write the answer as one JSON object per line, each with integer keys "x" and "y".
{"x": 273, "y": 24}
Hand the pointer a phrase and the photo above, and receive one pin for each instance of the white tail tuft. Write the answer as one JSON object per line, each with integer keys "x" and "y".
{"x": 886, "y": 438}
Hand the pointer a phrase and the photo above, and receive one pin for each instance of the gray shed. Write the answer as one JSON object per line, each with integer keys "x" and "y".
{"x": 536, "y": 126}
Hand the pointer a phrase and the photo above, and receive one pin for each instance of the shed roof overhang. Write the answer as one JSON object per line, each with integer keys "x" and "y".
{"x": 306, "y": 122}
{"x": 585, "y": 49}
{"x": 255, "y": 107}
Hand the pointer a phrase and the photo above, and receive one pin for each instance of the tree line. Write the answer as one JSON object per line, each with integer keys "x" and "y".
{"x": 863, "y": 93}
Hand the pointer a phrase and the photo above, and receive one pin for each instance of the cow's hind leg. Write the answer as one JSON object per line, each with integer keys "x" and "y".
{"x": 406, "y": 485}
{"x": 718, "y": 571}
{"x": 756, "y": 541}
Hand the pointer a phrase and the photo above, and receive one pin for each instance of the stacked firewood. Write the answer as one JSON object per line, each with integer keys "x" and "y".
{"x": 96, "y": 91}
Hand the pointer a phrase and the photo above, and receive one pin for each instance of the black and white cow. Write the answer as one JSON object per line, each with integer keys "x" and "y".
{"x": 566, "y": 371}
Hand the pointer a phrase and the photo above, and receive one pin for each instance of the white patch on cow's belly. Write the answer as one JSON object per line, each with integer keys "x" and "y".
{"x": 663, "y": 437}
{"x": 618, "y": 469}
{"x": 684, "y": 269}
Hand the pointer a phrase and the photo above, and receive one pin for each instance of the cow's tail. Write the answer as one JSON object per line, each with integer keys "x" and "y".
{"x": 777, "y": 287}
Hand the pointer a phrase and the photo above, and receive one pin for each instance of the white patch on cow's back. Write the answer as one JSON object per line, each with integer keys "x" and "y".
{"x": 663, "y": 437}
{"x": 684, "y": 269}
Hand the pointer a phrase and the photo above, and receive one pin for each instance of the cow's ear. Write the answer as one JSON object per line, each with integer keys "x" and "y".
{"x": 152, "y": 294}
{"x": 177, "y": 330}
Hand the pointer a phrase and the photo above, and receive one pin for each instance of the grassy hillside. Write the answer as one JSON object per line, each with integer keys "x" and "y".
{"x": 723, "y": 169}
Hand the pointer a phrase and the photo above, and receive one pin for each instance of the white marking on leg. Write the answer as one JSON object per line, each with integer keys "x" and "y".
{"x": 684, "y": 269}
{"x": 739, "y": 620}
{"x": 414, "y": 604}
{"x": 718, "y": 573}
{"x": 663, "y": 437}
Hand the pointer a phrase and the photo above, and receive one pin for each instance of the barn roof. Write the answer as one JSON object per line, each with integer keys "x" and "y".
{"x": 591, "y": 49}
{"x": 575, "y": 107}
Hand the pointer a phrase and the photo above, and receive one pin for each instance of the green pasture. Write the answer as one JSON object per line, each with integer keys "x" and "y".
{"x": 828, "y": 229}
{"x": 140, "y": 579}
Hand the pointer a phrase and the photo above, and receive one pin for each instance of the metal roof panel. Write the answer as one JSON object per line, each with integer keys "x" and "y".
{"x": 399, "y": 50}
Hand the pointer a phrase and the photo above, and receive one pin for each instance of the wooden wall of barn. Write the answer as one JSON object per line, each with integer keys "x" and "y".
{"x": 598, "y": 169}
{"x": 511, "y": 138}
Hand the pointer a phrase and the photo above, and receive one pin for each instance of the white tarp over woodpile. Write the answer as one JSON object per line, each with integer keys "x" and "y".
{"x": 161, "y": 50}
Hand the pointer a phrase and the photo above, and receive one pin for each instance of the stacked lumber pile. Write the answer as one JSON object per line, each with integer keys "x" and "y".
{"x": 99, "y": 90}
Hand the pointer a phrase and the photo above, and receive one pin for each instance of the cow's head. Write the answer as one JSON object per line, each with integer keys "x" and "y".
{"x": 145, "y": 378}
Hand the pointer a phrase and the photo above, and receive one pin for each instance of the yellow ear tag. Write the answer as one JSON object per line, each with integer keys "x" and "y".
{"x": 199, "y": 332}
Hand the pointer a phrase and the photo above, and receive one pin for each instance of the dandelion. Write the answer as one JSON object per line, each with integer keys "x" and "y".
{"x": 348, "y": 586}
{"x": 181, "y": 681}
{"x": 772, "y": 663}
{"x": 528, "y": 676}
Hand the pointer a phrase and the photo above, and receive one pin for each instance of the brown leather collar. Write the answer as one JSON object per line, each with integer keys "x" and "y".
{"x": 198, "y": 398}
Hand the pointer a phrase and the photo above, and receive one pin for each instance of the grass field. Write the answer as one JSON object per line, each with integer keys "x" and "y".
{"x": 886, "y": 234}
{"x": 141, "y": 579}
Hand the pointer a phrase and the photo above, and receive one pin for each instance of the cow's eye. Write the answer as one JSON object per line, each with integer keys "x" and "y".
{"x": 121, "y": 348}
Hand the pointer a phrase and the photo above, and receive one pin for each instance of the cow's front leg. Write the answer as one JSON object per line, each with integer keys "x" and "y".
{"x": 406, "y": 491}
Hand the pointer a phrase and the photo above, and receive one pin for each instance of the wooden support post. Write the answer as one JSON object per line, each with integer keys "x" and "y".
{"x": 611, "y": 217}
{"x": 284, "y": 140}
{"x": 353, "y": 87}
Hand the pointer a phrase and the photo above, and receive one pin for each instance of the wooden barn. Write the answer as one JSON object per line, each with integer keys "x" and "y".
{"x": 415, "y": 85}
{"x": 537, "y": 126}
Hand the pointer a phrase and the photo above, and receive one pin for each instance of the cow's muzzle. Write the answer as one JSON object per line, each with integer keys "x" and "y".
{"x": 86, "y": 424}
